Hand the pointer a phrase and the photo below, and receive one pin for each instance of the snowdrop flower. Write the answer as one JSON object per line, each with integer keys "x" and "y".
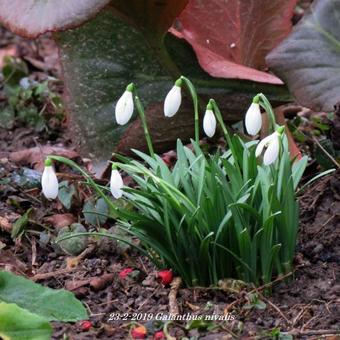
{"x": 116, "y": 183}
{"x": 253, "y": 120}
{"x": 124, "y": 106}
{"x": 49, "y": 181}
{"x": 209, "y": 122}
{"x": 272, "y": 143}
{"x": 173, "y": 99}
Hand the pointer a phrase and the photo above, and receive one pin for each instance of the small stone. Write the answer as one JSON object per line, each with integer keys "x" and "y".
{"x": 319, "y": 247}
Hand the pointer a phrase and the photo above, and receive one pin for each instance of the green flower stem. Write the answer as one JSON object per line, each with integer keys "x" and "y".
{"x": 141, "y": 113}
{"x": 48, "y": 162}
{"x": 224, "y": 129}
{"x": 264, "y": 102}
{"x": 194, "y": 97}
{"x": 86, "y": 176}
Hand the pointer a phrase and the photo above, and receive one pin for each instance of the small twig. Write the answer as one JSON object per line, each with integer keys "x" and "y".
{"x": 300, "y": 315}
{"x": 106, "y": 303}
{"x": 143, "y": 265}
{"x": 256, "y": 290}
{"x": 34, "y": 251}
{"x": 309, "y": 322}
{"x": 88, "y": 251}
{"x": 173, "y": 306}
{"x": 323, "y": 225}
{"x": 276, "y": 308}
{"x": 278, "y": 279}
{"x": 44, "y": 276}
{"x": 314, "y": 332}
{"x": 27, "y": 194}
{"x": 230, "y": 332}
{"x": 74, "y": 261}
{"x": 326, "y": 152}
{"x": 147, "y": 299}
{"x": 88, "y": 308}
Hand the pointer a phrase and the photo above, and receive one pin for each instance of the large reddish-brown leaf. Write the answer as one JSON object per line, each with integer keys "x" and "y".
{"x": 231, "y": 38}
{"x": 33, "y": 17}
{"x": 154, "y": 17}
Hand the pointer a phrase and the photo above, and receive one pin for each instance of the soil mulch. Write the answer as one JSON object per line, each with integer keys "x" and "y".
{"x": 307, "y": 305}
{"x": 304, "y": 305}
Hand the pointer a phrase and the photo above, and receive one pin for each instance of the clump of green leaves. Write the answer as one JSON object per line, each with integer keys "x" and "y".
{"x": 214, "y": 216}
{"x": 28, "y": 102}
{"x": 211, "y": 216}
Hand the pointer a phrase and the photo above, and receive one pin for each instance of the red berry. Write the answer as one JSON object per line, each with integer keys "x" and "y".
{"x": 165, "y": 277}
{"x": 139, "y": 332}
{"x": 124, "y": 273}
{"x": 159, "y": 335}
{"x": 85, "y": 325}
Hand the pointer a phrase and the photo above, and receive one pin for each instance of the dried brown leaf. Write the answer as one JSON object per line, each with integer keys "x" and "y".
{"x": 60, "y": 220}
{"x": 35, "y": 156}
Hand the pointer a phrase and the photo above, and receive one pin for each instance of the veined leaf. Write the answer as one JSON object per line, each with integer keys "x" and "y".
{"x": 19, "y": 324}
{"x": 309, "y": 59}
{"x": 33, "y": 17}
{"x": 52, "y": 304}
{"x": 236, "y": 35}
{"x": 101, "y": 57}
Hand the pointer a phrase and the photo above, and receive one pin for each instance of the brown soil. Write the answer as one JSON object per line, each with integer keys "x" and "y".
{"x": 305, "y": 305}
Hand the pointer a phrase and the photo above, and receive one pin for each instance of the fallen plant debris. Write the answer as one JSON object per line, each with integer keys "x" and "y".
{"x": 36, "y": 156}
{"x": 120, "y": 288}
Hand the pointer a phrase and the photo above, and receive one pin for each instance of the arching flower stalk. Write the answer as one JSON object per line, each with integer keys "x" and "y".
{"x": 124, "y": 111}
{"x": 173, "y": 101}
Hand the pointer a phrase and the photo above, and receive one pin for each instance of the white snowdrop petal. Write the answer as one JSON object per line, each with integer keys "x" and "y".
{"x": 172, "y": 101}
{"x": 253, "y": 119}
{"x": 116, "y": 193}
{"x": 49, "y": 183}
{"x": 264, "y": 142}
{"x": 124, "y": 108}
{"x": 272, "y": 151}
{"x": 116, "y": 183}
{"x": 209, "y": 123}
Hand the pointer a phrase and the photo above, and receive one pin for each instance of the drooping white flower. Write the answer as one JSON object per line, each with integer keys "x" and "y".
{"x": 253, "y": 119}
{"x": 173, "y": 99}
{"x": 116, "y": 183}
{"x": 209, "y": 123}
{"x": 272, "y": 145}
{"x": 49, "y": 181}
{"x": 125, "y": 106}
